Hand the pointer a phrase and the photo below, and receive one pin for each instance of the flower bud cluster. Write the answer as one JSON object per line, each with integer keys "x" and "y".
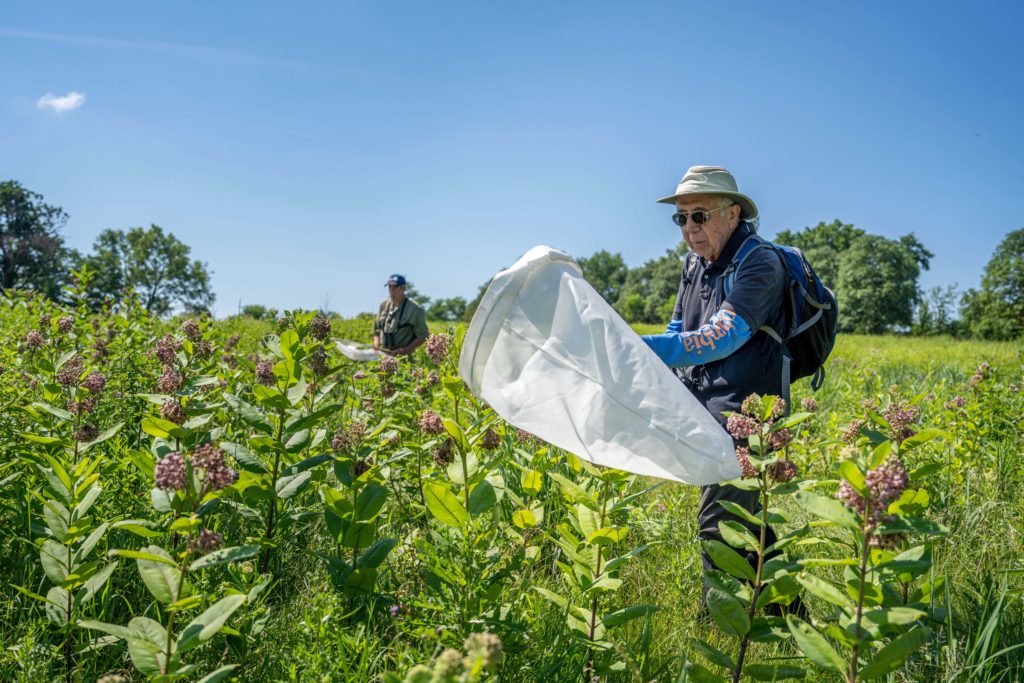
{"x": 216, "y": 474}
{"x": 35, "y": 340}
{"x": 71, "y": 371}
{"x": 190, "y": 328}
{"x": 348, "y": 438}
{"x": 205, "y": 542}
{"x": 65, "y": 323}
{"x": 742, "y": 426}
{"x": 430, "y": 422}
{"x": 86, "y": 433}
{"x": 781, "y": 471}
{"x": 173, "y": 411}
{"x": 83, "y": 407}
{"x": 884, "y": 484}
{"x": 387, "y": 389}
{"x": 388, "y": 365}
{"x": 165, "y": 349}
{"x": 94, "y": 382}
{"x": 490, "y": 440}
{"x": 779, "y": 439}
{"x": 751, "y": 405}
{"x": 809, "y": 404}
{"x": 358, "y": 375}
{"x": 170, "y": 381}
{"x": 852, "y": 431}
{"x": 747, "y": 467}
{"x": 437, "y": 347}
{"x": 169, "y": 472}
{"x": 320, "y": 327}
{"x": 318, "y": 362}
{"x": 445, "y": 455}
{"x": 265, "y": 373}
{"x": 485, "y": 648}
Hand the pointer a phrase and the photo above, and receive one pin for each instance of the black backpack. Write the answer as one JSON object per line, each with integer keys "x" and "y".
{"x": 811, "y": 313}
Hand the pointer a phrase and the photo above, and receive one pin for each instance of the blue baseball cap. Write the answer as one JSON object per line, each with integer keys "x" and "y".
{"x": 397, "y": 280}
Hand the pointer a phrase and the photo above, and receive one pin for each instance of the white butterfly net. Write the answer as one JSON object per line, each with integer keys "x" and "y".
{"x": 553, "y": 358}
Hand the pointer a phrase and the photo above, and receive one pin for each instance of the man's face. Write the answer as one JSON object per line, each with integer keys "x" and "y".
{"x": 397, "y": 293}
{"x": 709, "y": 239}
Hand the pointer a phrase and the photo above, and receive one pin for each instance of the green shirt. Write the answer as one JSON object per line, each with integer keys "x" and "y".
{"x": 400, "y": 325}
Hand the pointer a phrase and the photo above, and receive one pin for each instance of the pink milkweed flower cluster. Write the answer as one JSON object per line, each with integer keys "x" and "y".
{"x": 265, "y": 373}
{"x": 318, "y": 362}
{"x": 359, "y": 374}
{"x": 165, "y": 349}
{"x": 747, "y": 467}
{"x": 86, "y": 433}
{"x": 206, "y": 542}
{"x": 742, "y": 426}
{"x": 445, "y": 454}
{"x": 388, "y": 365}
{"x": 190, "y": 328}
{"x": 72, "y": 369}
{"x": 35, "y": 340}
{"x": 387, "y": 389}
{"x": 94, "y": 382}
{"x": 900, "y": 415}
{"x": 852, "y": 431}
{"x": 169, "y": 472}
{"x": 319, "y": 327}
{"x": 430, "y": 422}
{"x": 203, "y": 348}
{"x": 83, "y": 407}
{"x": 216, "y": 474}
{"x": 779, "y": 439}
{"x": 437, "y": 347}
{"x": 809, "y": 404}
{"x": 173, "y": 411}
{"x": 170, "y": 381}
{"x": 65, "y": 323}
{"x": 349, "y": 437}
{"x": 781, "y": 471}
{"x": 885, "y": 484}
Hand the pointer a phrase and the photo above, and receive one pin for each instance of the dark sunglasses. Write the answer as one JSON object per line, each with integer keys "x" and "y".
{"x": 699, "y": 217}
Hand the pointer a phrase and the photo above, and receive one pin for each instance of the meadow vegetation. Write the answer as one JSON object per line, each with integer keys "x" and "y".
{"x": 232, "y": 500}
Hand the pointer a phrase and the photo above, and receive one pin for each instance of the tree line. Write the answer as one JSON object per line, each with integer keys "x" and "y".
{"x": 147, "y": 263}
{"x": 875, "y": 278}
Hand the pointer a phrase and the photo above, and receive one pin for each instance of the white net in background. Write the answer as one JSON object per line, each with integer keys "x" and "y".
{"x": 355, "y": 351}
{"x": 553, "y": 358}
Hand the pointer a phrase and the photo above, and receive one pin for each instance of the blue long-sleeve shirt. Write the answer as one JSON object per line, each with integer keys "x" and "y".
{"x": 726, "y": 332}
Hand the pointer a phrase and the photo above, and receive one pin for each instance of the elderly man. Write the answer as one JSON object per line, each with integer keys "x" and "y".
{"x": 401, "y": 324}
{"x": 715, "y": 220}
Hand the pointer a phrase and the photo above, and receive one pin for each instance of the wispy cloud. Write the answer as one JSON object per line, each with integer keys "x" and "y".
{"x": 179, "y": 49}
{"x": 61, "y": 104}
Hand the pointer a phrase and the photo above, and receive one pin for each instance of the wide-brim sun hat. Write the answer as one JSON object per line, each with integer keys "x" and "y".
{"x": 712, "y": 180}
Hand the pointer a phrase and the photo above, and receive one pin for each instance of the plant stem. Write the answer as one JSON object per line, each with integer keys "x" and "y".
{"x": 265, "y": 558}
{"x": 588, "y": 672}
{"x": 852, "y": 674}
{"x": 757, "y": 579}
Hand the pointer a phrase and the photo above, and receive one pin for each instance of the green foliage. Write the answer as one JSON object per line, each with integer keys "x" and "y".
{"x": 153, "y": 264}
{"x": 32, "y": 251}
{"x": 650, "y": 290}
{"x": 447, "y": 310}
{"x": 606, "y": 272}
{"x": 996, "y": 311}
{"x": 363, "y": 540}
{"x": 874, "y": 278}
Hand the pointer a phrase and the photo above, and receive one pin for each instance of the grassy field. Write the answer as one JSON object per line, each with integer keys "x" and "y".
{"x": 363, "y": 540}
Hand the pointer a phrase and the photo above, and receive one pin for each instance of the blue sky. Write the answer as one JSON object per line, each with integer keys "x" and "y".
{"x": 307, "y": 150}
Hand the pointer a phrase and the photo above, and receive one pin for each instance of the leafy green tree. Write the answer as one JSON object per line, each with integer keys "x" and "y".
{"x": 996, "y": 311}
{"x": 607, "y": 273}
{"x": 874, "y": 278}
{"x": 650, "y": 290}
{"x": 155, "y": 265}
{"x": 877, "y": 284}
{"x": 823, "y": 245}
{"x": 259, "y": 312}
{"x": 32, "y": 252}
{"x": 935, "y": 312}
{"x": 448, "y": 310}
